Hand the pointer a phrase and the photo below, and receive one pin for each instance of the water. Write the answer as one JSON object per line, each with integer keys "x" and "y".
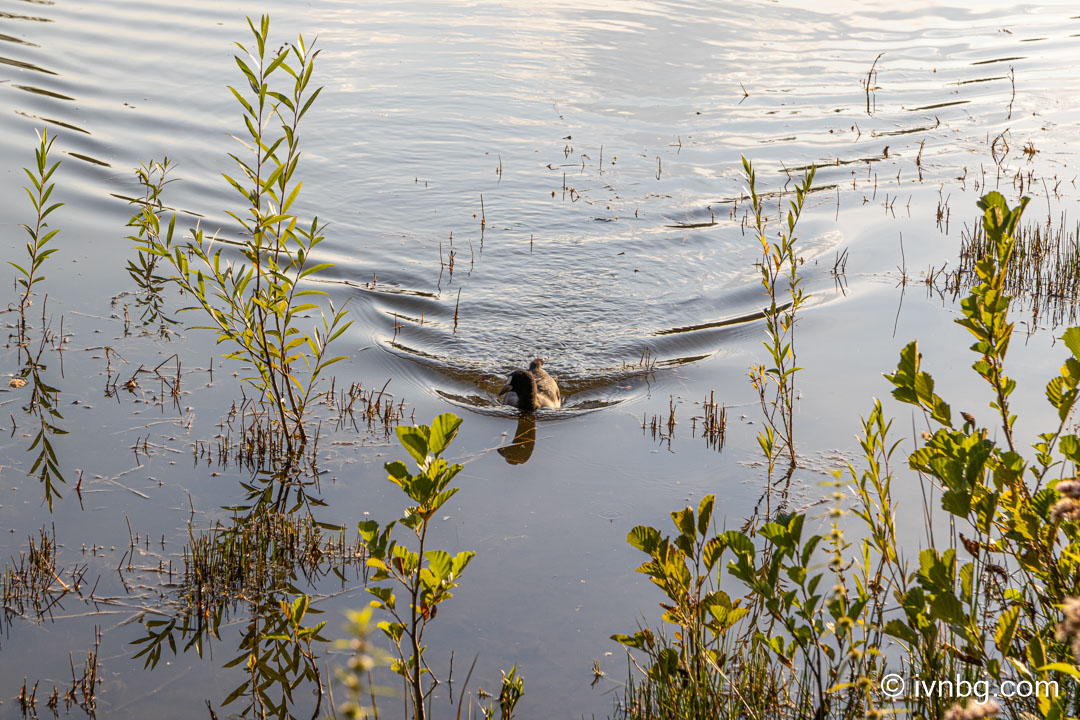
{"x": 582, "y": 163}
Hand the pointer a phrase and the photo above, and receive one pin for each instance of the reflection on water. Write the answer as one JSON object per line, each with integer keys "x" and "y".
{"x": 250, "y": 572}
{"x": 42, "y": 411}
{"x": 149, "y": 298}
{"x": 520, "y": 449}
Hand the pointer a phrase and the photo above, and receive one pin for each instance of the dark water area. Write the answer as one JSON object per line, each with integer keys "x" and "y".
{"x": 577, "y": 165}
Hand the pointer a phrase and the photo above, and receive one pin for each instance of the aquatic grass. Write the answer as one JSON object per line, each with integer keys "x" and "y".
{"x": 661, "y": 428}
{"x": 249, "y": 437}
{"x": 33, "y": 584}
{"x": 255, "y": 556}
{"x": 1042, "y": 274}
{"x": 375, "y": 409}
{"x": 83, "y": 690}
{"x": 82, "y": 693}
{"x": 28, "y": 700}
{"x": 713, "y": 422}
{"x": 646, "y": 363}
{"x": 748, "y": 686}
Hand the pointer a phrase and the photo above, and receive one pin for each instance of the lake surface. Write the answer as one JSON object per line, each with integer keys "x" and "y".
{"x": 581, "y": 162}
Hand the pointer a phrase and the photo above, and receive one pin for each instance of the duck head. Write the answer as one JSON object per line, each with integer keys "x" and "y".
{"x": 520, "y": 391}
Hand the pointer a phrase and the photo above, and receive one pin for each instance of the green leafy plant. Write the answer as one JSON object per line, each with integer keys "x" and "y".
{"x": 781, "y": 281}
{"x": 995, "y": 608}
{"x": 513, "y": 687}
{"x": 997, "y": 599}
{"x": 683, "y": 674}
{"x": 40, "y": 192}
{"x": 256, "y": 306}
{"x": 152, "y": 178}
{"x": 789, "y": 647}
{"x": 426, "y": 576}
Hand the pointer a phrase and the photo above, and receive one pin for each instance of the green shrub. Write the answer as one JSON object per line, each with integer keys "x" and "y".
{"x": 823, "y": 619}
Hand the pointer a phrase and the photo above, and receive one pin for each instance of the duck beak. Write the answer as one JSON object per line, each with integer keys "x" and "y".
{"x": 505, "y": 389}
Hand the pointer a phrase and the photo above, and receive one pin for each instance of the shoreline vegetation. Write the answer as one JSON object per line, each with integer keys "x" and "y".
{"x": 832, "y": 627}
{"x": 775, "y": 620}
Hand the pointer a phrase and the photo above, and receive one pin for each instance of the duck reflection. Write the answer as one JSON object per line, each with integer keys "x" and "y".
{"x": 520, "y": 450}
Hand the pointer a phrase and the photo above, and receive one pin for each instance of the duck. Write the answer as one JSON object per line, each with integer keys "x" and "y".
{"x": 529, "y": 390}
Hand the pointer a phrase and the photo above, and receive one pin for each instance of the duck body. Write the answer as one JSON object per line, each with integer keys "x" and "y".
{"x": 529, "y": 390}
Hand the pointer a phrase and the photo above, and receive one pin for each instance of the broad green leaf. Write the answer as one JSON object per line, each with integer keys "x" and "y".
{"x": 712, "y": 552}
{"x": 1006, "y": 628}
{"x": 440, "y": 563}
{"x": 415, "y": 440}
{"x": 1072, "y": 341}
{"x": 738, "y": 543}
{"x": 443, "y": 430}
{"x": 705, "y": 511}
{"x": 644, "y": 538}
{"x": 684, "y": 521}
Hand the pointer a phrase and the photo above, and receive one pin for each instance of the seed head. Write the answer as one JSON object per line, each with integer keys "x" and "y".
{"x": 1069, "y": 488}
{"x": 974, "y": 711}
{"x": 1065, "y": 509}
{"x": 1069, "y": 627}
